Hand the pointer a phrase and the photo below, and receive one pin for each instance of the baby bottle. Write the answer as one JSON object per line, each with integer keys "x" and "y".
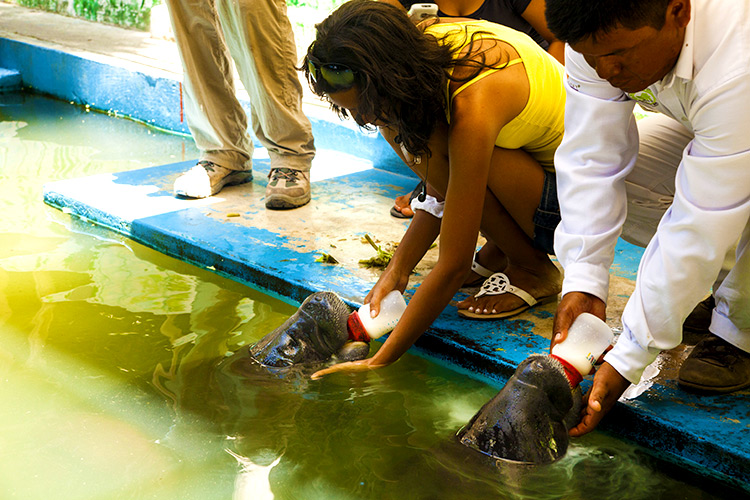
{"x": 587, "y": 339}
{"x": 365, "y": 328}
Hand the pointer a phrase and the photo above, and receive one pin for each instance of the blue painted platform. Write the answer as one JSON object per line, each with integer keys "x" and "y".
{"x": 355, "y": 181}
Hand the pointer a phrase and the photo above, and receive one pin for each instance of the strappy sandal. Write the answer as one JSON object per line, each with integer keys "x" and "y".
{"x": 395, "y": 212}
{"x": 498, "y": 284}
{"x": 482, "y": 271}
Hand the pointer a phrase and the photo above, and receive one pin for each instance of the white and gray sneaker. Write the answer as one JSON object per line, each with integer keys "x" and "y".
{"x": 207, "y": 178}
{"x": 287, "y": 188}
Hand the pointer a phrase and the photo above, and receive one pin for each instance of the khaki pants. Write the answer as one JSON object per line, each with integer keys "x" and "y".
{"x": 257, "y": 35}
{"x": 651, "y": 187}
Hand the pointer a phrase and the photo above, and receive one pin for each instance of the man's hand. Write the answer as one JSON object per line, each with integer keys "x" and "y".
{"x": 607, "y": 388}
{"x": 571, "y": 305}
{"x": 350, "y": 366}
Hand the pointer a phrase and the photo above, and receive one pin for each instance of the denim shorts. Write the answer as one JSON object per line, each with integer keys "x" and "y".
{"x": 547, "y": 215}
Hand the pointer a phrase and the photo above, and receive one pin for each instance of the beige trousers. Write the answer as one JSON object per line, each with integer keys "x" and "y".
{"x": 258, "y": 36}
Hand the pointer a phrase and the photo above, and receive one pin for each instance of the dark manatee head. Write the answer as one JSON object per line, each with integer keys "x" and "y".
{"x": 528, "y": 420}
{"x": 313, "y": 334}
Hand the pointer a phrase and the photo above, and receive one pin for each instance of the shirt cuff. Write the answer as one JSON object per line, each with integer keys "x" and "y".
{"x": 588, "y": 278}
{"x": 629, "y": 358}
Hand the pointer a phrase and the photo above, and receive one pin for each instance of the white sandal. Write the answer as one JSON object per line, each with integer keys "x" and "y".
{"x": 498, "y": 284}
{"x": 480, "y": 270}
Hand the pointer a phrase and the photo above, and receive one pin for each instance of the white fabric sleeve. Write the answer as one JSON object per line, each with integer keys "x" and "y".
{"x": 598, "y": 150}
{"x": 710, "y": 210}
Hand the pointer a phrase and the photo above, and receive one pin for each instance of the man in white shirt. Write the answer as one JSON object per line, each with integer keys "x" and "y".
{"x": 677, "y": 182}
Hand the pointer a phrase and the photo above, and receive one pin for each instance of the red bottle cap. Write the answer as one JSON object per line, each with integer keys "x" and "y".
{"x": 573, "y": 375}
{"x": 356, "y": 329}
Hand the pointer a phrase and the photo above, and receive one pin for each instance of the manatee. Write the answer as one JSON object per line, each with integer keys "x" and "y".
{"x": 528, "y": 420}
{"x": 313, "y": 334}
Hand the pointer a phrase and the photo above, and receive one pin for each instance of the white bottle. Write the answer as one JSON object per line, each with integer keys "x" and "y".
{"x": 587, "y": 339}
{"x": 363, "y": 327}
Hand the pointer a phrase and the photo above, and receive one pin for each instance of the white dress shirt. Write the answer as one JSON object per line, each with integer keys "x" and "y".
{"x": 708, "y": 91}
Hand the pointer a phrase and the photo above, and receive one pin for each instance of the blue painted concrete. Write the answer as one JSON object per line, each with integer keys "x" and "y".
{"x": 706, "y": 434}
{"x": 9, "y": 80}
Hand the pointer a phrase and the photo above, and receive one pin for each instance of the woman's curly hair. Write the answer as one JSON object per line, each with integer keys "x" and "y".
{"x": 401, "y": 72}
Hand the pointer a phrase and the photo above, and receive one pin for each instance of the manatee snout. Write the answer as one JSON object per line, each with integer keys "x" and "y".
{"x": 528, "y": 420}
{"x": 313, "y": 334}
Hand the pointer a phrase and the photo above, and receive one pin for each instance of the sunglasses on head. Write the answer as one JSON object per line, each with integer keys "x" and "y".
{"x": 336, "y": 76}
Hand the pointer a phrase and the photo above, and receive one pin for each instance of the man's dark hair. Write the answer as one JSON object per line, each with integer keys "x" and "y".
{"x": 575, "y": 20}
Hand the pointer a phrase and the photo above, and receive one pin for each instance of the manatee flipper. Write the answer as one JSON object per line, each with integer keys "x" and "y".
{"x": 528, "y": 420}
{"x": 353, "y": 351}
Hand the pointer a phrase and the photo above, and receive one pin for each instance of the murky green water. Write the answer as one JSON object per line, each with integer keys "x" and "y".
{"x": 114, "y": 384}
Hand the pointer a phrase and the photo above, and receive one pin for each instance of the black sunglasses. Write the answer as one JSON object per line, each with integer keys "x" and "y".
{"x": 336, "y": 76}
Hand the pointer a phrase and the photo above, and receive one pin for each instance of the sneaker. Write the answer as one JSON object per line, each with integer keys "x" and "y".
{"x": 287, "y": 188}
{"x": 207, "y": 178}
{"x": 715, "y": 366}
{"x": 696, "y": 325}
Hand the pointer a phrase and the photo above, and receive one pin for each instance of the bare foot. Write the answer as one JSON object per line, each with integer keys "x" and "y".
{"x": 402, "y": 204}
{"x": 539, "y": 283}
{"x": 490, "y": 257}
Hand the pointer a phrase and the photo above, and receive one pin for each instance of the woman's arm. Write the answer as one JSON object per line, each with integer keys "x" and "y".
{"x": 422, "y": 232}
{"x": 534, "y": 14}
{"x": 477, "y": 116}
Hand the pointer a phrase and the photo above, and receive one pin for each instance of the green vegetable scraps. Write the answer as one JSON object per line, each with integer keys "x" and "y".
{"x": 382, "y": 258}
{"x": 326, "y": 258}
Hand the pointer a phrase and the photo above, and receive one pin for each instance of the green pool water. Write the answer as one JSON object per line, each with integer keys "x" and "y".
{"x": 114, "y": 380}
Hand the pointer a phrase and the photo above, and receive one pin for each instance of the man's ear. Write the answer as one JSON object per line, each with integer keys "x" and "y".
{"x": 678, "y": 13}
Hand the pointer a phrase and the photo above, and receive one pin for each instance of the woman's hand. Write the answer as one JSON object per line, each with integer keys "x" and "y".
{"x": 350, "y": 366}
{"x": 389, "y": 281}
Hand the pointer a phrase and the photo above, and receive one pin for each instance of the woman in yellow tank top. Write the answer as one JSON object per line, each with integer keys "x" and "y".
{"x": 475, "y": 109}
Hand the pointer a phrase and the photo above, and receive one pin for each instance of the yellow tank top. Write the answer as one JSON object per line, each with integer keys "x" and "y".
{"x": 538, "y": 129}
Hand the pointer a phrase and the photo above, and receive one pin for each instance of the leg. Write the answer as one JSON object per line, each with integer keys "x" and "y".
{"x": 515, "y": 189}
{"x": 650, "y": 186}
{"x": 731, "y": 317}
{"x": 260, "y": 39}
{"x": 720, "y": 363}
{"x": 214, "y": 115}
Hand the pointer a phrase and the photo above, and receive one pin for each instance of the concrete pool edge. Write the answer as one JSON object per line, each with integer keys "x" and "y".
{"x": 442, "y": 342}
